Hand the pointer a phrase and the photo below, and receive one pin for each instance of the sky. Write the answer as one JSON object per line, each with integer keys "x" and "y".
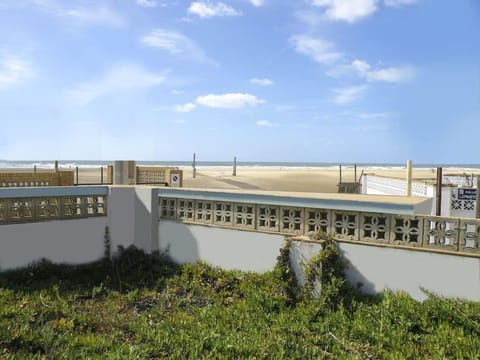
{"x": 366, "y": 81}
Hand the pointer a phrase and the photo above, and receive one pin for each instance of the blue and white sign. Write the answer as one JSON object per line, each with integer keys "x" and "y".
{"x": 467, "y": 194}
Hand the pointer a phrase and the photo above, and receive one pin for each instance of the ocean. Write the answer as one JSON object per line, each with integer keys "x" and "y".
{"x": 71, "y": 164}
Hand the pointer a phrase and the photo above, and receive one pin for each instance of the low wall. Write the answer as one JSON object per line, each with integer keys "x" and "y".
{"x": 155, "y": 175}
{"x": 233, "y": 249}
{"x": 374, "y": 269}
{"x": 61, "y": 224}
{"x": 242, "y": 250}
{"x": 238, "y": 230}
{"x": 384, "y": 250}
{"x": 382, "y": 185}
{"x": 39, "y": 178}
{"x": 72, "y": 241}
{"x": 371, "y": 269}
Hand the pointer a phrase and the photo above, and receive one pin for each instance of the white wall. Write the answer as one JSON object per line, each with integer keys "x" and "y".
{"x": 379, "y": 268}
{"x": 132, "y": 220}
{"x": 72, "y": 241}
{"x": 229, "y": 249}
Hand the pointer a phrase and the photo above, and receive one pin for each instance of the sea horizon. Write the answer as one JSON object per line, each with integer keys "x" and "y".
{"x": 49, "y": 164}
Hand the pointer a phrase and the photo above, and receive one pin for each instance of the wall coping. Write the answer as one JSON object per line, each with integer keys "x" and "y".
{"x": 52, "y": 191}
{"x": 347, "y": 202}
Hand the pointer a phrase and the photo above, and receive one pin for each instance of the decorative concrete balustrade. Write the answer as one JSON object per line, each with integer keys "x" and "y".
{"x": 155, "y": 175}
{"x": 39, "y": 178}
{"x": 53, "y": 203}
{"x": 385, "y": 221}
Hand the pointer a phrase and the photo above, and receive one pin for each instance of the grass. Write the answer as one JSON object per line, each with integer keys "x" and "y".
{"x": 144, "y": 306}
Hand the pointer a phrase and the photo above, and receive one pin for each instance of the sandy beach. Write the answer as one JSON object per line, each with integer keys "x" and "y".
{"x": 292, "y": 179}
{"x": 321, "y": 180}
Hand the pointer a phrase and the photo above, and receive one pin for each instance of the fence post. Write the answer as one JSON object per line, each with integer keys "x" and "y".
{"x": 194, "y": 165}
{"x": 438, "y": 210}
{"x": 477, "y": 215}
{"x": 408, "y": 190}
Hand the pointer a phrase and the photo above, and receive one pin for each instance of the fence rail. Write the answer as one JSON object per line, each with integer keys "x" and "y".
{"x": 457, "y": 235}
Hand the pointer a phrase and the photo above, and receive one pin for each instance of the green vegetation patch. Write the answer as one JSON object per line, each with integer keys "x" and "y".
{"x": 141, "y": 306}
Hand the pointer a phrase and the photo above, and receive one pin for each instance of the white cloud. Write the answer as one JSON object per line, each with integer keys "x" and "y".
{"x": 146, "y": 3}
{"x": 377, "y": 115}
{"x": 188, "y": 107}
{"x": 257, "y": 2}
{"x": 175, "y": 43}
{"x": 179, "y": 122}
{"x": 284, "y": 108}
{"x": 262, "y": 82}
{"x": 100, "y": 16}
{"x": 207, "y": 9}
{"x": 391, "y": 74}
{"x": 319, "y": 50}
{"x": 397, "y": 3}
{"x": 229, "y": 101}
{"x": 309, "y": 17}
{"x": 14, "y": 70}
{"x": 265, "y": 123}
{"x": 348, "y": 94}
{"x": 347, "y": 10}
{"x": 123, "y": 78}
{"x": 79, "y": 15}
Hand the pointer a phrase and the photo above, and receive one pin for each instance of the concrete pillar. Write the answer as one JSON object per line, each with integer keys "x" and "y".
{"x": 124, "y": 172}
{"x": 133, "y": 217}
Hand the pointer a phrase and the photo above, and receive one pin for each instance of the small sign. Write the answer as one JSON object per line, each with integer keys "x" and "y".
{"x": 175, "y": 180}
{"x": 467, "y": 194}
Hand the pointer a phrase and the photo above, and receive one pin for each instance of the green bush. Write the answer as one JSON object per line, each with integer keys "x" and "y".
{"x": 140, "y": 306}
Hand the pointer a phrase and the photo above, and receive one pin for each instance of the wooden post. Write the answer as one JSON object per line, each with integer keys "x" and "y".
{"x": 76, "y": 170}
{"x": 234, "y": 166}
{"x": 101, "y": 174}
{"x": 408, "y": 190}
{"x": 34, "y": 169}
{"x": 438, "y": 210}
{"x": 194, "y": 165}
{"x": 56, "y": 165}
{"x": 355, "y": 173}
{"x": 340, "y": 168}
{"x": 477, "y": 215}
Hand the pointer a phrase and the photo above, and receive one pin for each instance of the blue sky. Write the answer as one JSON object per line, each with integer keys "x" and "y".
{"x": 265, "y": 80}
